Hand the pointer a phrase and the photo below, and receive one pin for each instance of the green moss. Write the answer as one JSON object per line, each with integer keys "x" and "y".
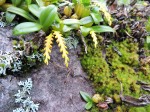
{"x": 128, "y": 29}
{"x": 145, "y": 66}
{"x": 118, "y": 109}
{"x": 94, "y": 109}
{"x": 140, "y": 109}
{"x": 107, "y": 76}
{"x": 14, "y": 42}
{"x": 116, "y": 98}
{"x": 95, "y": 65}
{"x": 128, "y": 50}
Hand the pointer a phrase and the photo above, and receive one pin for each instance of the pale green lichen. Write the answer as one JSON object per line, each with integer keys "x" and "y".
{"x": 23, "y": 99}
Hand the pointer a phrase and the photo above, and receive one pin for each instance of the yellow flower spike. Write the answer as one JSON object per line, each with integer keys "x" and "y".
{"x": 93, "y": 35}
{"x": 106, "y": 13}
{"x": 108, "y": 17}
{"x": 61, "y": 44}
{"x": 48, "y": 48}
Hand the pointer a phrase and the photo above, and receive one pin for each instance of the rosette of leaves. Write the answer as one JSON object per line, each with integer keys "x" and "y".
{"x": 88, "y": 99}
{"x": 88, "y": 18}
{"x": 16, "y": 3}
{"x": 23, "y": 4}
{"x": 47, "y": 18}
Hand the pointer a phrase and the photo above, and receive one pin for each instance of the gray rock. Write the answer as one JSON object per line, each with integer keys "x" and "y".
{"x": 55, "y": 87}
{"x": 5, "y": 43}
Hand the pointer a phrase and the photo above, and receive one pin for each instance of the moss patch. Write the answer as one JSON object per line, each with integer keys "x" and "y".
{"x": 117, "y": 64}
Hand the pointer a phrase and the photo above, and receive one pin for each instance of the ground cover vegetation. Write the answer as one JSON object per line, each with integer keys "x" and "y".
{"x": 116, "y": 45}
{"x": 118, "y": 66}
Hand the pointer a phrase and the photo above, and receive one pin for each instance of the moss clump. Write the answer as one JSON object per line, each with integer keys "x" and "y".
{"x": 139, "y": 109}
{"x": 115, "y": 67}
{"x": 118, "y": 109}
{"x": 116, "y": 98}
{"x": 94, "y": 109}
{"x": 95, "y": 65}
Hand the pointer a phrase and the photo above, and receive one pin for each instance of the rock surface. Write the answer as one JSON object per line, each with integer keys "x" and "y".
{"x": 5, "y": 44}
{"x": 55, "y": 87}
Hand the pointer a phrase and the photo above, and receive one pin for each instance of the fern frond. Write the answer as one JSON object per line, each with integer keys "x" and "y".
{"x": 48, "y": 48}
{"x": 93, "y": 35}
{"x": 61, "y": 43}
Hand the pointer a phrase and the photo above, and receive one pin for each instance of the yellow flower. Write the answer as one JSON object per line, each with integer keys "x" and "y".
{"x": 48, "y": 48}
{"x": 103, "y": 9}
{"x": 93, "y": 35}
{"x": 61, "y": 44}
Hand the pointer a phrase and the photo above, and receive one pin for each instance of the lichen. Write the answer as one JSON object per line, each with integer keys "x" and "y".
{"x": 108, "y": 68}
{"x": 23, "y": 99}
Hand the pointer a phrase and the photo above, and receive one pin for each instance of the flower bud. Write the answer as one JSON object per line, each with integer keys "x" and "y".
{"x": 67, "y": 11}
{"x": 96, "y": 98}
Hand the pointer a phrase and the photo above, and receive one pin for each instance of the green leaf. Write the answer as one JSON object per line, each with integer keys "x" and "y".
{"x": 54, "y": 1}
{"x": 16, "y": 2}
{"x": 124, "y": 2}
{"x": 62, "y": 4}
{"x": 75, "y": 26}
{"x": 148, "y": 42}
{"x": 85, "y": 2}
{"x": 21, "y": 12}
{"x": 57, "y": 19}
{"x": 85, "y": 31}
{"x": 47, "y": 16}
{"x": 75, "y": 1}
{"x": 58, "y": 26}
{"x": 28, "y": 2}
{"x": 34, "y": 9}
{"x": 95, "y": 9}
{"x": 10, "y": 17}
{"x": 148, "y": 39}
{"x": 81, "y": 1}
{"x": 96, "y": 17}
{"x": 26, "y": 27}
{"x": 102, "y": 28}
{"x": 40, "y": 3}
{"x": 67, "y": 28}
{"x": 71, "y": 21}
{"x": 86, "y": 20}
{"x": 86, "y": 12}
{"x": 148, "y": 25}
{"x": 88, "y": 105}
{"x": 85, "y": 96}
